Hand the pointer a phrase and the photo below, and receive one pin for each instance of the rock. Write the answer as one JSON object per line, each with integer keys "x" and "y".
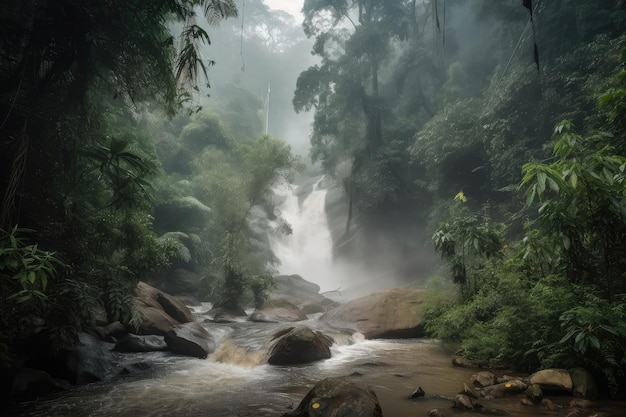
{"x": 534, "y": 393}
{"x": 175, "y": 308}
{"x": 228, "y": 310}
{"x": 578, "y": 403}
{"x": 555, "y": 380}
{"x": 435, "y": 413}
{"x": 394, "y": 313}
{"x": 419, "y": 392}
{"x": 461, "y": 362}
{"x": 154, "y": 320}
{"x": 111, "y": 331}
{"x": 136, "y": 343}
{"x": 299, "y": 292}
{"x": 483, "y": 379}
{"x": 223, "y": 317}
{"x": 190, "y": 339}
{"x": 28, "y": 384}
{"x": 89, "y": 361}
{"x": 584, "y": 384}
{"x": 527, "y": 401}
{"x": 470, "y": 390}
{"x": 299, "y": 345}
{"x": 277, "y": 315}
{"x": 337, "y": 397}
{"x": 169, "y": 304}
{"x": 159, "y": 311}
{"x": 464, "y": 402}
{"x": 547, "y": 403}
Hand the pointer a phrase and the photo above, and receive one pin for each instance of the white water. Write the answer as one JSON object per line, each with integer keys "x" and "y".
{"x": 307, "y": 251}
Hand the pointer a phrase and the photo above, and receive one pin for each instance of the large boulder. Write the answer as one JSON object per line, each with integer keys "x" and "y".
{"x": 555, "y": 380}
{"x": 137, "y": 343}
{"x": 394, "y": 313}
{"x": 159, "y": 311}
{"x": 27, "y": 384}
{"x": 299, "y": 345}
{"x": 299, "y": 292}
{"x": 90, "y": 360}
{"x": 585, "y": 385}
{"x": 277, "y": 315}
{"x": 333, "y": 397}
{"x": 190, "y": 339}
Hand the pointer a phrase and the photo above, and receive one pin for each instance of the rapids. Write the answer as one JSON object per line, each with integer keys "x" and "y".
{"x": 235, "y": 381}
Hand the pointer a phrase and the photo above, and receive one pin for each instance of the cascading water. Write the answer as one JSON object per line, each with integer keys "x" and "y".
{"x": 235, "y": 381}
{"x": 307, "y": 251}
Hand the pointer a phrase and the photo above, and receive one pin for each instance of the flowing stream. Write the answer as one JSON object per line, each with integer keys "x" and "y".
{"x": 235, "y": 381}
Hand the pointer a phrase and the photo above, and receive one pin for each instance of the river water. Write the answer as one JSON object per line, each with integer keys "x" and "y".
{"x": 236, "y": 381}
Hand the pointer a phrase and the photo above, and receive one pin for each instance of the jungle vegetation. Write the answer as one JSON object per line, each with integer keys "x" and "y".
{"x": 441, "y": 123}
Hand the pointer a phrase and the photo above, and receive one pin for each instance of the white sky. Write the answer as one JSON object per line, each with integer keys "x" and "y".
{"x": 292, "y": 7}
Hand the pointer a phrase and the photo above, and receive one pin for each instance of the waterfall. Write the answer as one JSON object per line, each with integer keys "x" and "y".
{"x": 307, "y": 251}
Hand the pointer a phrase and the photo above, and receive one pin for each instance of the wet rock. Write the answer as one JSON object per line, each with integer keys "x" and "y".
{"x": 419, "y": 392}
{"x": 534, "y": 393}
{"x": 299, "y": 345}
{"x": 337, "y": 397}
{"x": 175, "y": 308}
{"x": 435, "y": 413}
{"x": 111, "y": 331}
{"x": 504, "y": 388}
{"x": 277, "y": 315}
{"x": 555, "y": 380}
{"x": 470, "y": 391}
{"x": 393, "y": 313}
{"x": 584, "y": 384}
{"x": 224, "y": 317}
{"x": 137, "y": 343}
{"x": 27, "y": 384}
{"x": 299, "y": 292}
{"x": 464, "y": 402}
{"x": 231, "y": 310}
{"x": 159, "y": 311}
{"x": 89, "y": 361}
{"x": 547, "y": 403}
{"x": 483, "y": 379}
{"x": 462, "y": 362}
{"x": 154, "y": 320}
{"x": 190, "y": 339}
{"x": 579, "y": 403}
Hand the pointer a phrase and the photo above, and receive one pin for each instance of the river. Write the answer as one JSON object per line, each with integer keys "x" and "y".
{"x": 235, "y": 381}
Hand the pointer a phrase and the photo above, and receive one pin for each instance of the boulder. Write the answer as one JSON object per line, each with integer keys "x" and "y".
{"x": 534, "y": 393}
{"x": 299, "y": 345}
{"x": 190, "y": 339}
{"x": 299, "y": 292}
{"x": 464, "y": 402}
{"x": 555, "y": 380}
{"x": 337, "y": 397}
{"x": 394, "y": 313}
{"x": 89, "y": 361}
{"x": 28, "y": 384}
{"x": 584, "y": 384}
{"x": 136, "y": 343}
{"x": 154, "y": 320}
{"x": 111, "y": 331}
{"x": 483, "y": 379}
{"x": 277, "y": 315}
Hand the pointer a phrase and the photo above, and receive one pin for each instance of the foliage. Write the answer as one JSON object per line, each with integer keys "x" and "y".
{"x": 582, "y": 196}
{"x": 466, "y": 242}
{"x": 596, "y": 331}
{"x": 25, "y": 274}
